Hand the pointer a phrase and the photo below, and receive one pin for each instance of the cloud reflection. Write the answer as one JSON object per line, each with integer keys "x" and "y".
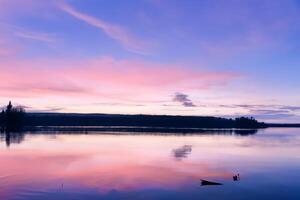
{"x": 182, "y": 152}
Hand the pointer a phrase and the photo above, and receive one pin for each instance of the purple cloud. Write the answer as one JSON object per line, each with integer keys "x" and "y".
{"x": 183, "y": 99}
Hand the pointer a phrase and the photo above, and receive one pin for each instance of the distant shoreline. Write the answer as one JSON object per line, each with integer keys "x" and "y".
{"x": 279, "y": 125}
{"x": 140, "y": 120}
{"x": 138, "y": 123}
{"x": 133, "y": 129}
{"x": 153, "y": 121}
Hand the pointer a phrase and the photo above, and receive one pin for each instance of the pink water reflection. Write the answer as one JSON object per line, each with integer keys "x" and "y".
{"x": 131, "y": 163}
{"x": 122, "y": 163}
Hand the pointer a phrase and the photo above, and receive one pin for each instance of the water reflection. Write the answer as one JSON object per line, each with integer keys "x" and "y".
{"x": 10, "y": 138}
{"x": 245, "y": 132}
{"x": 182, "y": 152}
{"x": 139, "y": 166}
{"x": 18, "y": 137}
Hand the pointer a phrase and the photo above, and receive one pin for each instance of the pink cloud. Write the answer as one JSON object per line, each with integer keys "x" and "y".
{"x": 115, "y": 32}
{"x": 102, "y": 77}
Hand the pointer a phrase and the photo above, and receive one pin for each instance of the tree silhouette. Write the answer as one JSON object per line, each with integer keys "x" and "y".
{"x": 12, "y": 118}
{"x": 247, "y": 122}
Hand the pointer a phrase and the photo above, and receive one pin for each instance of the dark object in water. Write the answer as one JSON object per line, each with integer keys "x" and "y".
{"x": 205, "y": 182}
{"x": 236, "y": 177}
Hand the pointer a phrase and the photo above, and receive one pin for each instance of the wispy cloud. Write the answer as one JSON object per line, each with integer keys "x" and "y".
{"x": 115, "y": 32}
{"x": 183, "y": 99}
{"x": 10, "y": 32}
{"x": 291, "y": 108}
{"x": 43, "y": 37}
{"x": 43, "y": 109}
{"x": 262, "y": 107}
{"x": 268, "y": 111}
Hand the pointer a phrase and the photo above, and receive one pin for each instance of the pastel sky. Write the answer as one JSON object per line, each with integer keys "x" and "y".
{"x": 216, "y": 57}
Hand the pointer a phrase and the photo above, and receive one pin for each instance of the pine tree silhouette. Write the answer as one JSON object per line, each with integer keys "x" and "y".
{"x": 12, "y": 118}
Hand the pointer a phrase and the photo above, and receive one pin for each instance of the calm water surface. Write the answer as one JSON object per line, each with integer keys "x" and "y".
{"x": 111, "y": 166}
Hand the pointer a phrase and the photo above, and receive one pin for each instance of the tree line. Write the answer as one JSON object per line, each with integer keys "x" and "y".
{"x": 13, "y": 118}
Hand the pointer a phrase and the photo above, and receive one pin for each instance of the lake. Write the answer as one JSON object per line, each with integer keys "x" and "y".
{"x": 112, "y": 165}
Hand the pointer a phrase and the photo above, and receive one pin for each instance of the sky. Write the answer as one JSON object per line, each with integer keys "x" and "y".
{"x": 224, "y": 58}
